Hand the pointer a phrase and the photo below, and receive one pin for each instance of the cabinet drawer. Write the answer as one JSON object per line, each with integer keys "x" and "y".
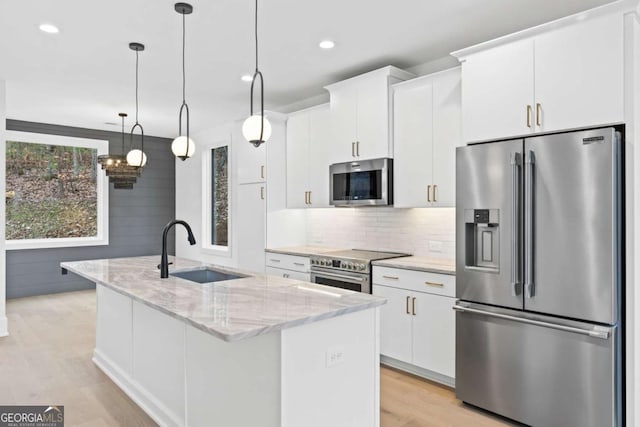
{"x": 288, "y": 274}
{"x": 288, "y": 262}
{"x": 419, "y": 281}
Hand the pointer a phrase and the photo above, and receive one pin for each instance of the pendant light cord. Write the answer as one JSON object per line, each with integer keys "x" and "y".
{"x": 256, "y": 33}
{"x": 137, "y": 86}
{"x": 183, "y": 56}
{"x": 122, "y": 135}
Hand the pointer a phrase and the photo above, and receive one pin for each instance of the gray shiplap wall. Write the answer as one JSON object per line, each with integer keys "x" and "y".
{"x": 136, "y": 218}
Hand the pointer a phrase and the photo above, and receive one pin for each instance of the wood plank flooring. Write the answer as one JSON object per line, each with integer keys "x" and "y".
{"x": 46, "y": 360}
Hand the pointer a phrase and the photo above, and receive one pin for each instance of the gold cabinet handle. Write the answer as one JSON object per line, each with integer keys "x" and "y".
{"x": 309, "y": 197}
{"x": 301, "y": 264}
{"x": 285, "y": 275}
{"x": 390, "y": 277}
{"x": 262, "y": 171}
{"x": 438, "y": 285}
{"x": 413, "y": 306}
{"x": 353, "y": 149}
{"x": 538, "y": 114}
{"x": 262, "y": 193}
{"x": 435, "y": 188}
{"x": 407, "y": 305}
{"x": 528, "y": 115}
{"x": 357, "y": 148}
{"x": 429, "y": 193}
{"x": 306, "y": 197}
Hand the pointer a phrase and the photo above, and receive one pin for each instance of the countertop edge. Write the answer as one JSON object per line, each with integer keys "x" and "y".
{"x": 389, "y": 263}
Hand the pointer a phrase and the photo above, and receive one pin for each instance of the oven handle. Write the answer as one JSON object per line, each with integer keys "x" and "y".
{"x": 339, "y": 276}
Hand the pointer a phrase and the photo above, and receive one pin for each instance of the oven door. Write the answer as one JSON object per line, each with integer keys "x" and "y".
{"x": 339, "y": 279}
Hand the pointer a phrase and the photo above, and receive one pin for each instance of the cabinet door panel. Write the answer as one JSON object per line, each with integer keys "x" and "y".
{"x": 251, "y": 161}
{"x": 318, "y": 162}
{"x": 434, "y": 333}
{"x": 373, "y": 119}
{"x": 412, "y": 145}
{"x": 447, "y": 135}
{"x": 579, "y": 75}
{"x": 395, "y": 323}
{"x": 250, "y": 226}
{"x": 297, "y": 159}
{"x": 498, "y": 86}
{"x": 343, "y": 124}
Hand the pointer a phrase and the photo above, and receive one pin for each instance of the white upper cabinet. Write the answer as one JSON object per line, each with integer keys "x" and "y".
{"x": 307, "y": 158}
{"x": 426, "y": 131}
{"x": 566, "y": 76}
{"x": 360, "y": 115}
{"x": 579, "y": 75}
{"x": 497, "y": 90}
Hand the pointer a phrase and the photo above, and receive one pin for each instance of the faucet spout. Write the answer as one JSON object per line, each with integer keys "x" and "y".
{"x": 164, "y": 259}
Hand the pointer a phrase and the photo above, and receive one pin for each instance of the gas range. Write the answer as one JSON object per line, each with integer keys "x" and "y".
{"x": 352, "y": 260}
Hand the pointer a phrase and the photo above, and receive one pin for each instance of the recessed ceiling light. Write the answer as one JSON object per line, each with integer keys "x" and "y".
{"x": 246, "y": 78}
{"x": 327, "y": 44}
{"x": 49, "y": 28}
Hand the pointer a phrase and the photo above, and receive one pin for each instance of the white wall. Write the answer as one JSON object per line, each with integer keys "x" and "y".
{"x": 3, "y": 285}
{"x": 416, "y": 231}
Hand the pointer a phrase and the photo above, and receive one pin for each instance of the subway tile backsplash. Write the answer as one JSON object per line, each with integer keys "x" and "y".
{"x": 424, "y": 232}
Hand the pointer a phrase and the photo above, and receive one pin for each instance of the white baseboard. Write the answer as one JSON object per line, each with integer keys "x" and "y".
{"x": 416, "y": 370}
{"x": 4, "y": 326}
{"x": 149, "y": 404}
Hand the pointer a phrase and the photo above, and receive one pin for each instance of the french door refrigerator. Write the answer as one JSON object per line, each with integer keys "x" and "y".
{"x": 538, "y": 278}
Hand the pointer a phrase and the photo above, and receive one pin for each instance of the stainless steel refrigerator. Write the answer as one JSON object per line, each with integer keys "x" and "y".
{"x": 538, "y": 278}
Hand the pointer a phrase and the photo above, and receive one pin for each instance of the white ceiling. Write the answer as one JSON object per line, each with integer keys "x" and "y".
{"x": 84, "y": 75}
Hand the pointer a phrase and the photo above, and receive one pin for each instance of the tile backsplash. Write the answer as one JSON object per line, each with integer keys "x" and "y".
{"x": 424, "y": 232}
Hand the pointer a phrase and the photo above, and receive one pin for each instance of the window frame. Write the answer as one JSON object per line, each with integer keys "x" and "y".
{"x": 207, "y": 213}
{"x": 102, "y": 193}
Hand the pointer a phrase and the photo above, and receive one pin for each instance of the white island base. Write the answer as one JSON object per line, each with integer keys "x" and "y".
{"x": 324, "y": 373}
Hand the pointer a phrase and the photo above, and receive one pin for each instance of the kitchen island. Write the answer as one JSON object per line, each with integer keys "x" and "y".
{"x": 256, "y": 350}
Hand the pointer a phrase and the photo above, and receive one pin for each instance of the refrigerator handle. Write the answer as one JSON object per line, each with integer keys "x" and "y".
{"x": 516, "y": 285}
{"x": 596, "y": 332}
{"x": 529, "y": 287}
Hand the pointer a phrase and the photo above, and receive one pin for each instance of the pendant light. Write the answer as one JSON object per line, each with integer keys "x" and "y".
{"x": 183, "y": 146}
{"x": 256, "y": 128}
{"x": 120, "y": 173}
{"x": 135, "y": 157}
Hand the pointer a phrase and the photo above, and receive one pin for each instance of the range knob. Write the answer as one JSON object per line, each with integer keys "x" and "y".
{"x": 325, "y": 262}
{"x": 350, "y": 267}
{"x": 361, "y": 267}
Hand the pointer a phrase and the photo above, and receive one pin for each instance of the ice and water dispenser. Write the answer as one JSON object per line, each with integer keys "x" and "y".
{"x": 482, "y": 239}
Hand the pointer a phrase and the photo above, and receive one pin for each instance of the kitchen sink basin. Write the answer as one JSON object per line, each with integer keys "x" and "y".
{"x": 205, "y": 275}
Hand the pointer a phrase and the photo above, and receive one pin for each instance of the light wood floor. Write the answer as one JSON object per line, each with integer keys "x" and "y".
{"x": 46, "y": 360}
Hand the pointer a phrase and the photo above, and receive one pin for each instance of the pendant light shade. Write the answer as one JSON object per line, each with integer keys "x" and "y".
{"x": 183, "y": 146}
{"x": 253, "y": 127}
{"x": 119, "y": 171}
{"x": 136, "y": 157}
{"x": 256, "y": 128}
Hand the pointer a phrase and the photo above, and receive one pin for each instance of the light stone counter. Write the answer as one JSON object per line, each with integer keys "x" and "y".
{"x": 230, "y": 310}
{"x": 419, "y": 263}
{"x": 303, "y": 250}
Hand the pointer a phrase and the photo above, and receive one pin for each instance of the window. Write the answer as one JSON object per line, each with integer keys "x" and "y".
{"x": 216, "y": 221}
{"x": 56, "y": 194}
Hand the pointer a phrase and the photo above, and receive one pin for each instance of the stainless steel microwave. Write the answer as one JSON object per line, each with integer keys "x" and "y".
{"x": 362, "y": 183}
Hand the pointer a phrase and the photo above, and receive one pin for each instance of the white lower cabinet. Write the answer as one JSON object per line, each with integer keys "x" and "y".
{"x": 288, "y": 266}
{"x": 417, "y": 329}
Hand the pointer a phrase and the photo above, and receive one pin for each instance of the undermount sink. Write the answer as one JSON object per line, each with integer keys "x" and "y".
{"x": 205, "y": 275}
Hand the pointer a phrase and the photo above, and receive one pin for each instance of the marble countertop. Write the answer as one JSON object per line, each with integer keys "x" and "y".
{"x": 231, "y": 310}
{"x": 420, "y": 263}
{"x": 303, "y": 250}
